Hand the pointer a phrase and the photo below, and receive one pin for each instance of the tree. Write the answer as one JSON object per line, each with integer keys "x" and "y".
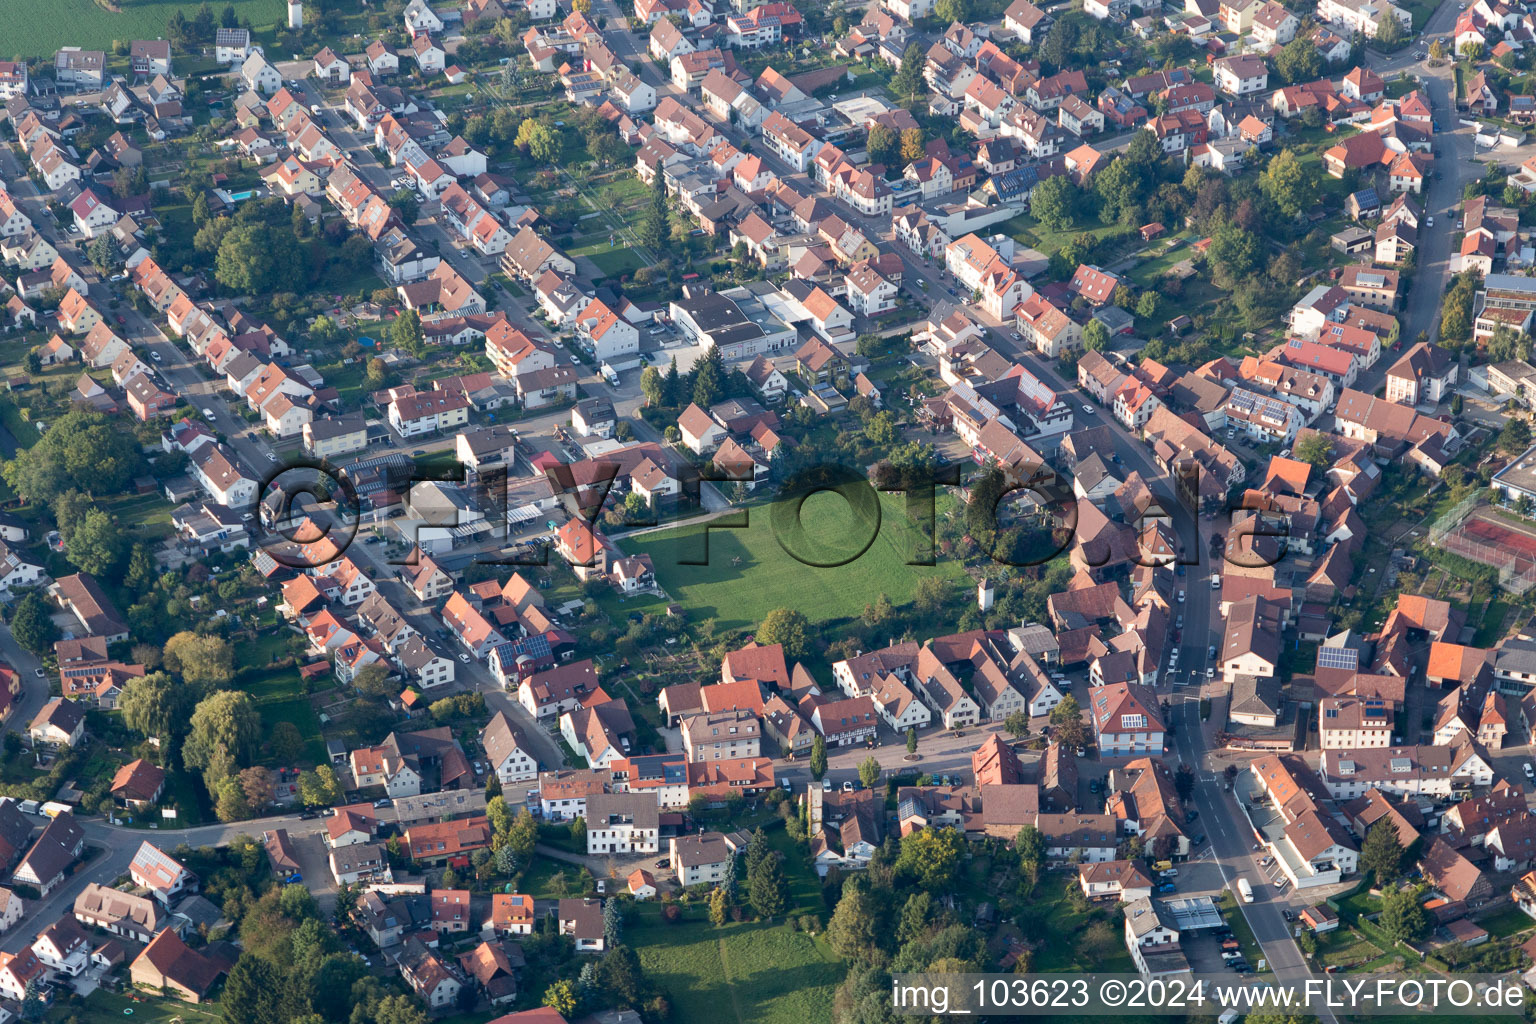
{"x": 103, "y": 254}
{"x": 256, "y": 993}
{"x": 259, "y": 787}
{"x": 930, "y": 856}
{"x": 788, "y": 627}
{"x": 374, "y": 680}
{"x": 1403, "y": 917}
{"x": 912, "y": 146}
{"x": 613, "y": 923}
{"x": 1390, "y": 33}
{"x": 717, "y": 907}
{"x": 1016, "y": 724}
{"x": 256, "y": 257}
{"x": 1515, "y": 437}
{"x": 911, "y": 739}
{"x": 539, "y": 141}
{"x": 654, "y": 235}
{"x": 1067, "y": 717}
{"x": 651, "y": 386}
{"x": 709, "y": 378}
{"x": 1287, "y": 184}
{"x": 1471, "y": 51}
{"x": 377, "y": 374}
{"x": 1299, "y": 60}
{"x": 155, "y": 706}
{"x": 1184, "y": 781}
{"x": 404, "y": 202}
{"x": 853, "y": 932}
{"x": 1315, "y": 449}
{"x": 83, "y": 450}
{"x": 818, "y": 758}
{"x": 561, "y": 997}
{"x": 916, "y": 916}
{"x": 883, "y": 145}
{"x": 908, "y": 84}
{"x": 320, "y": 787}
{"x": 405, "y": 333}
{"x": 201, "y": 660}
{"x": 1055, "y": 202}
{"x": 952, "y": 11}
{"x": 869, "y": 772}
{"x": 524, "y": 834}
{"x": 1382, "y": 851}
{"x": 32, "y": 625}
{"x": 224, "y": 731}
{"x": 1146, "y": 305}
{"x": 767, "y": 890}
{"x": 1095, "y": 336}
{"x": 287, "y": 742}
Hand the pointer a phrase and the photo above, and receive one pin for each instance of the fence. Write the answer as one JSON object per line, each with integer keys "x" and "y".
{"x": 1517, "y": 573}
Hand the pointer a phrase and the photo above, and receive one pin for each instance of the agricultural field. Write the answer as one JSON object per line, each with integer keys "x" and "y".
{"x": 749, "y": 573}
{"x": 37, "y": 28}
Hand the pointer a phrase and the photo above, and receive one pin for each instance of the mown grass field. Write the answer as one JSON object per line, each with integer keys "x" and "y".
{"x": 37, "y": 28}
{"x": 740, "y": 973}
{"x": 749, "y": 573}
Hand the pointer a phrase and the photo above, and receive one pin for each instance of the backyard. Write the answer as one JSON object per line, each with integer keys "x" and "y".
{"x": 742, "y": 973}
{"x": 748, "y": 572}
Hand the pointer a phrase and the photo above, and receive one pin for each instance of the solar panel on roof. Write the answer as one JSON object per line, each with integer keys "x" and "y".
{"x": 1338, "y": 657}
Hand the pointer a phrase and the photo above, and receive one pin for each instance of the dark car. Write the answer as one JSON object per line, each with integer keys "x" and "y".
{"x": 308, "y": 816}
{"x": 1192, "y": 815}
{"x": 1199, "y": 839}
{"x": 665, "y": 862}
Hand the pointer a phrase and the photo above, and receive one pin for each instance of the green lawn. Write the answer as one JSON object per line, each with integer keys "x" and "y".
{"x": 37, "y": 28}
{"x": 749, "y": 572}
{"x": 738, "y": 974}
{"x": 298, "y": 711}
{"x": 615, "y": 261}
{"x": 1344, "y": 947}
{"x": 102, "y": 1006}
{"x": 1506, "y": 922}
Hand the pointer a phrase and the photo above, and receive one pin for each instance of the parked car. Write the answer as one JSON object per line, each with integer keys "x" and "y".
{"x": 1167, "y": 887}
{"x": 848, "y": 787}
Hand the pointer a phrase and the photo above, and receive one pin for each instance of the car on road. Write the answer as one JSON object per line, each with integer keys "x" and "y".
{"x": 121, "y": 320}
{"x": 1192, "y": 815}
{"x": 1087, "y": 410}
{"x": 308, "y": 815}
{"x": 155, "y": 356}
{"x": 39, "y": 673}
{"x": 1199, "y": 840}
{"x": 464, "y": 658}
{"x": 418, "y": 452}
{"x": 1530, "y": 772}
{"x": 1287, "y": 915}
{"x": 208, "y": 412}
{"x": 271, "y": 456}
{"x": 1429, "y": 222}
{"x": 1167, "y": 887}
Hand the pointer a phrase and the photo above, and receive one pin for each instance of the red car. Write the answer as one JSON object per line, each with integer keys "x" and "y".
{"x": 120, "y": 319}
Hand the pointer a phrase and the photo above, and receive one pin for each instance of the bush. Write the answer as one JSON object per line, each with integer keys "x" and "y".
{"x": 671, "y": 913}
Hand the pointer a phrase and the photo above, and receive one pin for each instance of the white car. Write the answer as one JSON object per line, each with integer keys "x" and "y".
{"x": 1087, "y": 410}
{"x": 1530, "y": 772}
{"x": 271, "y": 457}
{"x": 1429, "y": 222}
{"x": 464, "y": 658}
{"x": 155, "y": 356}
